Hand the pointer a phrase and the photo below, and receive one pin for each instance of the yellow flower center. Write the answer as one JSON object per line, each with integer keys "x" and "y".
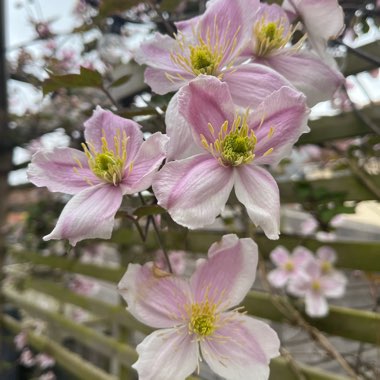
{"x": 270, "y": 36}
{"x": 203, "y": 318}
{"x": 326, "y": 267}
{"x": 234, "y": 146}
{"x": 202, "y": 60}
{"x": 316, "y": 286}
{"x": 289, "y": 266}
{"x": 108, "y": 165}
{"x": 206, "y": 54}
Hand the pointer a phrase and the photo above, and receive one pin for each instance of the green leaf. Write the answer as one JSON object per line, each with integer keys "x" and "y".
{"x": 121, "y": 80}
{"x": 86, "y": 78}
{"x": 149, "y": 210}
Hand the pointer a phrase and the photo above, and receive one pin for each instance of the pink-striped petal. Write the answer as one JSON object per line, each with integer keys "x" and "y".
{"x": 194, "y": 190}
{"x": 61, "y": 169}
{"x": 153, "y": 298}
{"x": 89, "y": 214}
{"x": 279, "y": 256}
{"x": 181, "y": 143}
{"x": 251, "y": 83}
{"x": 167, "y": 354}
{"x": 308, "y": 73}
{"x": 258, "y": 191}
{"x": 278, "y": 123}
{"x": 146, "y": 163}
{"x": 228, "y": 274}
{"x": 106, "y": 123}
{"x": 241, "y": 348}
{"x": 228, "y": 23}
{"x": 203, "y": 101}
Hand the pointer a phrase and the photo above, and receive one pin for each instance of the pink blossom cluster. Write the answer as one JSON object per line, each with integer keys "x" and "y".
{"x": 243, "y": 89}
{"x": 42, "y": 362}
{"x": 312, "y": 277}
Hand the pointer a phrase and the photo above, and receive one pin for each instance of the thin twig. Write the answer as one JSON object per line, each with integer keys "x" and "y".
{"x": 109, "y": 96}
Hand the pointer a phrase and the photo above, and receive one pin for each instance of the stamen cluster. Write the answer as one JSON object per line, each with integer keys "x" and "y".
{"x": 108, "y": 164}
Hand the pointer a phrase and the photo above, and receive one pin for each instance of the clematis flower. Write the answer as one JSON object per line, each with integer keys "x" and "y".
{"x": 316, "y": 286}
{"x": 209, "y": 44}
{"x": 270, "y": 45}
{"x": 195, "y": 319}
{"x": 116, "y": 161}
{"x": 45, "y": 361}
{"x": 323, "y": 20}
{"x": 232, "y": 147}
{"x": 288, "y": 266}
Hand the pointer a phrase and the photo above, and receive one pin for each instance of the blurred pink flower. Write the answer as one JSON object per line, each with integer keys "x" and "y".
{"x": 44, "y": 361}
{"x": 116, "y": 161}
{"x": 27, "y": 358}
{"x": 288, "y": 266}
{"x": 47, "y": 376}
{"x": 316, "y": 286}
{"x": 195, "y": 317}
{"x": 83, "y": 285}
{"x": 21, "y": 340}
{"x": 309, "y": 226}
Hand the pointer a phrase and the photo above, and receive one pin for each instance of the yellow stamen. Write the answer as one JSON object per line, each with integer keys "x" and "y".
{"x": 326, "y": 267}
{"x": 207, "y": 53}
{"x": 289, "y": 266}
{"x": 316, "y": 286}
{"x": 270, "y": 36}
{"x": 107, "y": 164}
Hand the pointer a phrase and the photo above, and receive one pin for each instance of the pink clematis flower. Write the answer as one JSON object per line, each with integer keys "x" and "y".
{"x": 326, "y": 258}
{"x": 195, "y": 317}
{"x": 288, "y": 266}
{"x": 270, "y": 45}
{"x": 209, "y": 44}
{"x": 194, "y": 190}
{"x": 116, "y": 161}
{"x": 45, "y": 361}
{"x": 323, "y": 20}
{"x": 316, "y": 286}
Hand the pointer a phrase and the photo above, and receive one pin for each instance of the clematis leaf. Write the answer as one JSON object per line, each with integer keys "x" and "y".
{"x": 86, "y": 78}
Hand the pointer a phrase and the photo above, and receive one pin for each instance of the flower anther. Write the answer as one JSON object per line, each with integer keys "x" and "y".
{"x": 108, "y": 164}
{"x": 206, "y": 54}
{"x": 272, "y": 36}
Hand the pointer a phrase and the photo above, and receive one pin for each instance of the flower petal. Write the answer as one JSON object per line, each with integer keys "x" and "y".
{"x": 302, "y": 256}
{"x": 156, "y": 53}
{"x": 278, "y": 277}
{"x": 334, "y": 284}
{"x": 146, "y": 163}
{"x": 241, "y": 348}
{"x": 251, "y": 83}
{"x": 279, "y": 256}
{"x": 228, "y": 23}
{"x": 206, "y": 100}
{"x": 89, "y": 214}
{"x": 161, "y": 82}
{"x": 59, "y": 170}
{"x": 326, "y": 253}
{"x": 167, "y": 354}
{"x": 228, "y": 274}
{"x": 194, "y": 190}
{"x": 155, "y": 300}
{"x": 278, "y": 123}
{"x": 309, "y": 74}
{"x": 258, "y": 191}
{"x": 181, "y": 143}
{"x": 106, "y": 123}
{"x": 316, "y": 305}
